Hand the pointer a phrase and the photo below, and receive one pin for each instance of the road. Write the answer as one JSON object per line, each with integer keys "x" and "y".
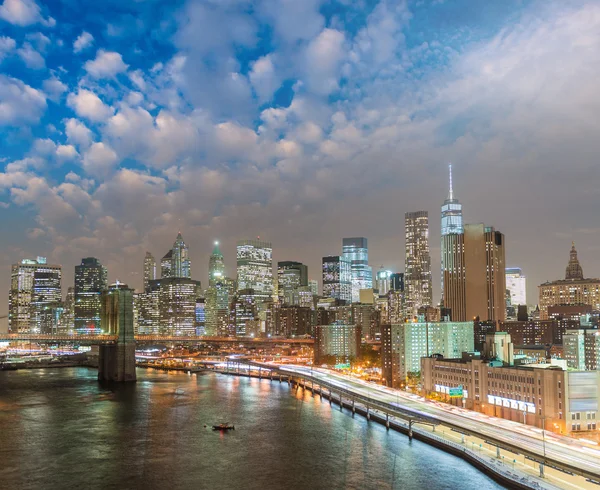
{"x": 559, "y": 448}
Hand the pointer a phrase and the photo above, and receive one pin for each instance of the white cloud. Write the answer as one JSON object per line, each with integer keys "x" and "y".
{"x": 54, "y": 88}
{"x": 88, "y": 105}
{"x": 31, "y": 57}
{"x": 66, "y": 152}
{"x": 23, "y": 13}
{"x": 99, "y": 160}
{"x": 19, "y": 103}
{"x": 83, "y": 41}
{"x": 7, "y": 45}
{"x": 323, "y": 58}
{"x": 40, "y": 41}
{"x": 107, "y": 64}
{"x": 264, "y": 78}
{"x": 78, "y": 133}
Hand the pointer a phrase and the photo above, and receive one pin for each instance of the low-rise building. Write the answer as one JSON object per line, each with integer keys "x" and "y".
{"x": 338, "y": 341}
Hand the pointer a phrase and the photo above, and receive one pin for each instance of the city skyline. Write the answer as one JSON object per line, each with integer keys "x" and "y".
{"x": 108, "y": 156}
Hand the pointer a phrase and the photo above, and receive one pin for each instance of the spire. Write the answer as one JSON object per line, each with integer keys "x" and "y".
{"x": 217, "y": 250}
{"x": 450, "y": 192}
{"x": 574, "y": 270}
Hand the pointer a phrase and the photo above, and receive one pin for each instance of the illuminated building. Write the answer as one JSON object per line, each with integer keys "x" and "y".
{"x": 50, "y": 317}
{"x": 166, "y": 265}
{"x": 541, "y": 395}
{"x": 216, "y": 266}
{"x": 255, "y": 268}
{"x": 337, "y": 277}
{"x": 397, "y": 281}
{"x": 337, "y": 343}
{"x": 217, "y": 302}
{"x": 474, "y": 274}
{"x": 404, "y": 344}
{"x": 90, "y": 281}
{"x": 148, "y": 309}
{"x": 67, "y": 319}
{"x": 581, "y": 349}
{"x": 356, "y": 251}
{"x": 417, "y": 263}
{"x": 180, "y": 265}
{"x": 367, "y": 317}
{"x": 291, "y": 276}
{"x": 200, "y": 316}
{"x": 177, "y": 305}
{"x": 452, "y": 223}
{"x": 295, "y": 321}
{"x": 35, "y": 284}
{"x": 245, "y": 311}
{"x": 573, "y": 290}
{"x": 314, "y": 287}
{"x": 149, "y": 270}
{"x": 516, "y": 284}
{"x": 383, "y": 280}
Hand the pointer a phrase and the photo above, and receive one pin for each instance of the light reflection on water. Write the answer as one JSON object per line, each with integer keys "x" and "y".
{"x": 60, "y": 429}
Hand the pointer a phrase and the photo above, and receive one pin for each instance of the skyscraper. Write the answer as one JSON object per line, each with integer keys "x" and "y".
{"x": 216, "y": 265}
{"x": 452, "y": 222}
{"x": 291, "y": 276}
{"x": 149, "y": 270}
{"x": 255, "y": 268}
{"x": 166, "y": 265}
{"x": 90, "y": 282}
{"x": 180, "y": 259}
{"x": 177, "y": 305}
{"x": 218, "y": 299}
{"x": 417, "y": 262}
{"x": 516, "y": 284}
{"x": 34, "y": 285}
{"x": 337, "y": 277}
{"x": 474, "y": 274}
{"x": 356, "y": 251}
{"x": 383, "y": 281}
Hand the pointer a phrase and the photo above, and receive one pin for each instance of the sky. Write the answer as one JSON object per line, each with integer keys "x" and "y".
{"x": 123, "y": 122}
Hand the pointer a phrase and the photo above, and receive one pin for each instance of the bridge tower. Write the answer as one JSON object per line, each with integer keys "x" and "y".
{"x": 117, "y": 361}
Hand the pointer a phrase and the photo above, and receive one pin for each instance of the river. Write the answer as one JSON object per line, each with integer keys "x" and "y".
{"x": 60, "y": 430}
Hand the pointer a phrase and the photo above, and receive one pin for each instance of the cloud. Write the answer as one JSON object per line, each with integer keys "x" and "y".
{"x": 108, "y": 64}
{"x": 23, "y": 13}
{"x": 88, "y": 105}
{"x": 78, "y": 133}
{"x": 31, "y": 57}
{"x": 19, "y": 103}
{"x": 83, "y": 41}
{"x": 324, "y": 56}
{"x": 7, "y": 45}
{"x": 264, "y": 78}
{"x": 99, "y": 160}
{"x": 54, "y": 88}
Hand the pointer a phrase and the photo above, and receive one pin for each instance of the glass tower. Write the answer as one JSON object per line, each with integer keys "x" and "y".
{"x": 216, "y": 266}
{"x": 255, "y": 268}
{"x": 356, "y": 251}
{"x": 90, "y": 282}
{"x": 181, "y": 266}
{"x": 417, "y": 263}
{"x": 452, "y": 224}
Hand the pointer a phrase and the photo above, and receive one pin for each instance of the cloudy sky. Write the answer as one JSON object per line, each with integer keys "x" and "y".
{"x": 122, "y": 122}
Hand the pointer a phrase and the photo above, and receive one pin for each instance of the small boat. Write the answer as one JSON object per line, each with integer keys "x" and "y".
{"x": 223, "y": 427}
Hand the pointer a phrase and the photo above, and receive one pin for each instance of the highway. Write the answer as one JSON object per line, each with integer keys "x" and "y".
{"x": 558, "y": 448}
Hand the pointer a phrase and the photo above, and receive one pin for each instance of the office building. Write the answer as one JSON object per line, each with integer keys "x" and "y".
{"x": 291, "y": 276}
{"x": 177, "y": 298}
{"x": 404, "y": 344}
{"x": 531, "y": 332}
{"x": 216, "y": 266}
{"x": 166, "y": 265}
{"x": 337, "y": 343}
{"x": 417, "y": 263}
{"x": 67, "y": 319}
{"x": 149, "y": 270}
{"x": 180, "y": 265}
{"x": 581, "y": 348}
{"x": 294, "y": 321}
{"x": 474, "y": 274}
{"x": 541, "y": 395}
{"x": 383, "y": 281}
{"x": 452, "y": 223}
{"x": 356, "y": 251}
{"x": 337, "y": 278}
{"x": 397, "y": 281}
{"x": 218, "y": 298}
{"x": 245, "y": 310}
{"x": 34, "y": 285}
{"x": 255, "y": 268}
{"x": 314, "y": 286}
{"x": 573, "y": 290}
{"x": 516, "y": 284}
{"x": 90, "y": 281}
{"x": 148, "y": 309}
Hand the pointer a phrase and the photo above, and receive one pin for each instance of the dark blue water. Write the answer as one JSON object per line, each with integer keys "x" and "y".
{"x": 60, "y": 430}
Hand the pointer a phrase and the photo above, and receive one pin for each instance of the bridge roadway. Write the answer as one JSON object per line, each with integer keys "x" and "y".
{"x": 562, "y": 453}
{"x": 111, "y": 339}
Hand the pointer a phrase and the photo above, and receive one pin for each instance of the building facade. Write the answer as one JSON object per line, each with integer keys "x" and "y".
{"x": 417, "y": 263}
{"x": 180, "y": 259}
{"x": 291, "y": 277}
{"x": 337, "y": 342}
{"x": 91, "y": 280}
{"x": 516, "y": 283}
{"x": 255, "y": 268}
{"x": 149, "y": 270}
{"x": 452, "y": 224}
{"x": 356, "y": 251}
{"x": 216, "y": 266}
{"x": 337, "y": 278}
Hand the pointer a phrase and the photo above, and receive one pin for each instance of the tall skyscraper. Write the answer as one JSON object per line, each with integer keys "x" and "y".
{"x": 216, "y": 265}
{"x": 356, "y": 251}
{"x": 452, "y": 222}
{"x": 417, "y": 263}
{"x": 337, "y": 277}
{"x": 35, "y": 284}
{"x": 90, "y": 282}
{"x": 180, "y": 259}
{"x": 383, "y": 281}
{"x": 516, "y": 285}
{"x": 218, "y": 299}
{"x": 149, "y": 270}
{"x": 177, "y": 298}
{"x": 291, "y": 276}
{"x": 313, "y": 284}
{"x": 166, "y": 265}
{"x": 255, "y": 268}
{"x": 474, "y": 274}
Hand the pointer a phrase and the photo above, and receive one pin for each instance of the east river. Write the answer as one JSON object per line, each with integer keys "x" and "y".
{"x": 60, "y": 430}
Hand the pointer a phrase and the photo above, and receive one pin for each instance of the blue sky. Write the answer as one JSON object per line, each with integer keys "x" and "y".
{"x": 124, "y": 121}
